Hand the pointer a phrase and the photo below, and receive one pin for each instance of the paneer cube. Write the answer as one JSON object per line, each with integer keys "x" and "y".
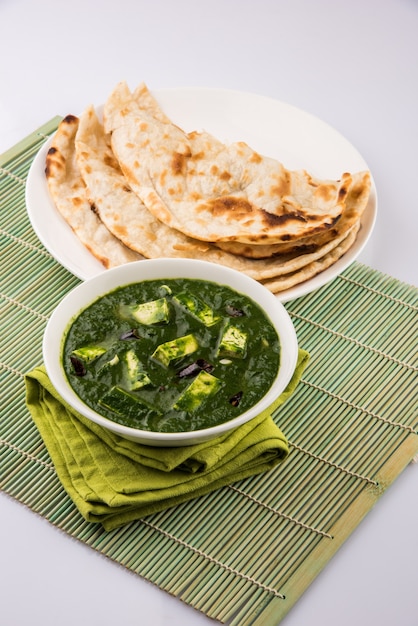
{"x": 203, "y": 386}
{"x": 124, "y": 403}
{"x": 89, "y": 353}
{"x": 147, "y": 313}
{"x": 136, "y": 375}
{"x": 196, "y": 307}
{"x": 170, "y": 351}
{"x": 233, "y": 342}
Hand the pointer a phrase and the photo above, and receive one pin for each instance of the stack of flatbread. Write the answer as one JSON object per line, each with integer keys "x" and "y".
{"x": 134, "y": 185}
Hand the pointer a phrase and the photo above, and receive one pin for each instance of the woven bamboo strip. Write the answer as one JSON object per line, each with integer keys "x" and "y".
{"x": 33, "y": 293}
{"x": 15, "y": 196}
{"x": 229, "y": 606}
{"x": 91, "y": 533}
{"x": 179, "y": 572}
{"x": 13, "y": 459}
{"x": 7, "y": 465}
{"x": 24, "y": 276}
{"x": 10, "y": 182}
{"x": 220, "y": 604}
{"x": 239, "y": 549}
{"x": 277, "y": 550}
{"x": 157, "y": 547}
{"x": 345, "y": 358}
{"x": 381, "y": 284}
{"x": 297, "y": 552}
{"x": 378, "y": 335}
{"x": 298, "y": 482}
{"x": 313, "y": 487}
{"x": 72, "y": 522}
{"x": 300, "y": 410}
{"x": 21, "y": 160}
{"x": 36, "y": 493}
{"x": 9, "y": 379}
{"x": 319, "y": 503}
{"x": 124, "y": 546}
{"x": 282, "y": 551}
{"x": 30, "y": 143}
{"x": 203, "y": 581}
{"x": 337, "y": 496}
{"x": 351, "y": 454}
{"x": 157, "y": 550}
{"x": 22, "y": 433}
{"x": 192, "y": 521}
{"x": 214, "y": 560}
{"x": 391, "y": 418}
{"x": 367, "y": 431}
{"x": 149, "y": 563}
{"x": 52, "y": 493}
{"x": 212, "y": 601}
{"x": 308, "y": 476}
{"x": 11, "y": 252}
{"x": 379, "y": 399}
{"x": 110, "y": 543}
{"x": 277, "y": 492}
{"x": 166, "y": 517}
{"x": 12, "y": 394}
{"x": 11, "y": 431}
{"x": 62, "y": 512}
{"x": 226, "y": 528}
{"x": 322, "y": 431}
{"x": 398, "y": 440}
{"x": 321, "y": 426}
{"x": 247, "y": 613}
{"x": 183, "y": 570}
{"x": 39, "y": 495}
{"x": 25, "y": 440}
{"x": 32, "y": 354}
{"x": 350, "y": 312}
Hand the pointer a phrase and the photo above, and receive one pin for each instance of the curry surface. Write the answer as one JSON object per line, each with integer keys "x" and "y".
{"x": 107, "y": 324}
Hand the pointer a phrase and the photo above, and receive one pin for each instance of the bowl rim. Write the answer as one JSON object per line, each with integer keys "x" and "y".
{"x": 149, "y": 269}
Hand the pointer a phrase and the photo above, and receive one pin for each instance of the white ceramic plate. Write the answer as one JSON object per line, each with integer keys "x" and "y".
{"x": 273, "y": 128}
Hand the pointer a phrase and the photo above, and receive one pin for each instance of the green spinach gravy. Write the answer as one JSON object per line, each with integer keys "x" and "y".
{"x": 171, "y": 355}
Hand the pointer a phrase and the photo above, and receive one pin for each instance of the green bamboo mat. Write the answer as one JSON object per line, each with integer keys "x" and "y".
{"x": 244, "y": 554}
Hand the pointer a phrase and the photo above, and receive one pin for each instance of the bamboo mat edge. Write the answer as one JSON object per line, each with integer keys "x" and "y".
{"x": 30, "y": 140}
{"x": 340, "y": 532}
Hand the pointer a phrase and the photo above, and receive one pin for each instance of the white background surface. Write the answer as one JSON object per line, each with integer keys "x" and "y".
{"x": 354, "y": 65}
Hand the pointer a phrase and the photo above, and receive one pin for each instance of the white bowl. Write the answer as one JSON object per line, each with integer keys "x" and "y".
{"x": 85, "y": 293}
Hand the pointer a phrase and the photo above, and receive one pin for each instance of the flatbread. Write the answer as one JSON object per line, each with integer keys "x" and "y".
{"x": 356, "y": 203}
{"x": 215, "y": 192}
{"x": 121, "y": 210}
{"x": 140, "y": 189}
{"x": 281, "y": 283}
{"x": 125, "y": 215}
{"x": 68, "y": 192}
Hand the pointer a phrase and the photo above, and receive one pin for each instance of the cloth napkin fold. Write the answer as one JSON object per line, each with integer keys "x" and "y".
{"x": 114, "y": 481}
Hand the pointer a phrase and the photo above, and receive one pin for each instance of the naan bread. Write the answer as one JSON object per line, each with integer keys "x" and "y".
{"x": 125, "y": 215}
{"x": 215, "y": 192}
{"x": 276, "y": 285}
{"x": 69, "y": 194}
{"x": 121, "y": 210}
{"x": 356, "y": 203}
{"x": 145, "y": 188}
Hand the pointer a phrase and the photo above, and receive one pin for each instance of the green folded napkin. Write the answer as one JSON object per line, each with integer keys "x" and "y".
{"x": 113, "y": 480}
